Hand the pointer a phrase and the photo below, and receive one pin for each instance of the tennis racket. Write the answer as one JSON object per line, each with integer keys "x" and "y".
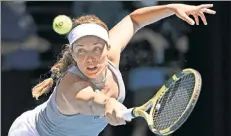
{"x": 171, "y": 105}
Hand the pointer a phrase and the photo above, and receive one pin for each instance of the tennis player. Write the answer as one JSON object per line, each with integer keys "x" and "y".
{"x": 89, "y": 89}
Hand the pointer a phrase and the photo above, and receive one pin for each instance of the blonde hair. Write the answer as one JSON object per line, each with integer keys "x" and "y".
{"x": 65, "y": 61}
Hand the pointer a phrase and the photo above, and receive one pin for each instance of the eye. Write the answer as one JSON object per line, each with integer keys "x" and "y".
{"x": 98, "y": 49}
{"x": 81, "y": 51}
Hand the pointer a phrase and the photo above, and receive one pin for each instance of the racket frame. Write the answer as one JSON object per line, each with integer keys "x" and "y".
{"x": 141, "y": 111}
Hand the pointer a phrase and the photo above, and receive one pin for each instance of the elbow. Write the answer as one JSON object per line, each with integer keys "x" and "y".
{"x": 97, "y": 105}
{"x": 93, "y": 103}
{"x": 90, "y": 104}
{"x": 136, "y": 23}
{"x": 85, "y": 106}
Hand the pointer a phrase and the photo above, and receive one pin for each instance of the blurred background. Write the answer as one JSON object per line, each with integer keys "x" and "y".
{"x": 29, "y": 48}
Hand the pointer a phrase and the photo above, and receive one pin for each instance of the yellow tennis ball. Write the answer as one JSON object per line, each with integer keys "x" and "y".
{"x": 62, "y": 24}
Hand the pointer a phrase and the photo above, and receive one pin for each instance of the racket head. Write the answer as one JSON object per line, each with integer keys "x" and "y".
{"x": 173, "y": 103}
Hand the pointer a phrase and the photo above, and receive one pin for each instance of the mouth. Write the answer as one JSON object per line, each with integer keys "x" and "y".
{"x": 92, "y": 68}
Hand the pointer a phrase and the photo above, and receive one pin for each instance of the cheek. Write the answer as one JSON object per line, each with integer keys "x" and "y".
{"x": 80, "y": 66}
{"x": 105, "y": 52}
{"x": 103, "y": 56}
{"x": 80, "y": 60}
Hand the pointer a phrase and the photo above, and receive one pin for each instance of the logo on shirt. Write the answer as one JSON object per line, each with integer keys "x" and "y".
{"x": 96, "y": 117}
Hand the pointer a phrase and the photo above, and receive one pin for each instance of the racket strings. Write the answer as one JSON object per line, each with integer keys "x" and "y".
{"x": 174, "y": 102}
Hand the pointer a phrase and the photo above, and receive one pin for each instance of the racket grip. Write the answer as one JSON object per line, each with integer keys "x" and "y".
{"x": 128, "y": 115}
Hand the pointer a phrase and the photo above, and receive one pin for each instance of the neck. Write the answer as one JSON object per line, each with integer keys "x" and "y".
{"x": 100, "y": 79}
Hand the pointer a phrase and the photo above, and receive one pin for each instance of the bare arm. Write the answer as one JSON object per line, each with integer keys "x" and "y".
{"x": 148, "y": 15}
{"x": 86, "y": 100}
{"x": 75, "y": 95}
{"x": 122, "y": 33}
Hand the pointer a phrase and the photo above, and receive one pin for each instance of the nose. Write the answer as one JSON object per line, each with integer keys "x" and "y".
{"x": 90, "y": 59}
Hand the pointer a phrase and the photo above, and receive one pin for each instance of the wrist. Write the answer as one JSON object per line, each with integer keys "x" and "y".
{"x": 110, "y": 100}
{"x": 171, "y": 7}
{"x": 108, "y": 104}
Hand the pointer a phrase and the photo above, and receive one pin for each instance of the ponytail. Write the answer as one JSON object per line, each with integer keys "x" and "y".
{"x": 57, "y": 71}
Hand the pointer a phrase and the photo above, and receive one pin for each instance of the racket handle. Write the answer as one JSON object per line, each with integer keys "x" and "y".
{"x": 128, "y": 115}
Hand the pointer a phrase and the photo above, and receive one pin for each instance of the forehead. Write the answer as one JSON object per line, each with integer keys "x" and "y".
{"x": 86, "y": 40}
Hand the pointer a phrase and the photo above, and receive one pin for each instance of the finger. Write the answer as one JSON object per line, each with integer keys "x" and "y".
{"x": 110, "y": 111}
{"x": 205, "y": 6}
{"x": 186, "y": 18}
{"x": 202, "y": 16}
{"x": 117, "y": 117}
{"x": 196, "y": 19}
{"x": 120, "y": 120}
{"x": 110, "y": 120}
{"x": 114, "y": 117}
{"x": 208, "y": 11}
{"x": 109, "y": 116}
{"x": 107, "y": 119}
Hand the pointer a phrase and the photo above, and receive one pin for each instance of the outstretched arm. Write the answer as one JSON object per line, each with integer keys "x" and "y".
{"x": 122, "y": 33}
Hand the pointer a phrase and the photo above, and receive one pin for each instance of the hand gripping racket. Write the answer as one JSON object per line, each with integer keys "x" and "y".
{"x": 171, "y": 105}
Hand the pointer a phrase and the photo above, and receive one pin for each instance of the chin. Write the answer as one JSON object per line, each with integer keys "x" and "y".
{"x": 92, "y": 74}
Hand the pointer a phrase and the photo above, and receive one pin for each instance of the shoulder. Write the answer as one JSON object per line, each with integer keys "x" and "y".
{"x": 72, "y": 83}
{"x": 119, "y": 36}
{"x": 113, "y": 63}
{"x": 71, "y": 91}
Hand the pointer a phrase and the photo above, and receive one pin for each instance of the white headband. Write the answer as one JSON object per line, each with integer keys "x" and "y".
{"x": 87, "y": 29}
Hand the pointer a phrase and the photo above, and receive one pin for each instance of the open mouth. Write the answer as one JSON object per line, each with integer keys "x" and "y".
{"x": 91, "y": 68}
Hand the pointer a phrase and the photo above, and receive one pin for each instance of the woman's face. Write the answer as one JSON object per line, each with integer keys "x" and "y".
{"x": 90, "y": 54}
